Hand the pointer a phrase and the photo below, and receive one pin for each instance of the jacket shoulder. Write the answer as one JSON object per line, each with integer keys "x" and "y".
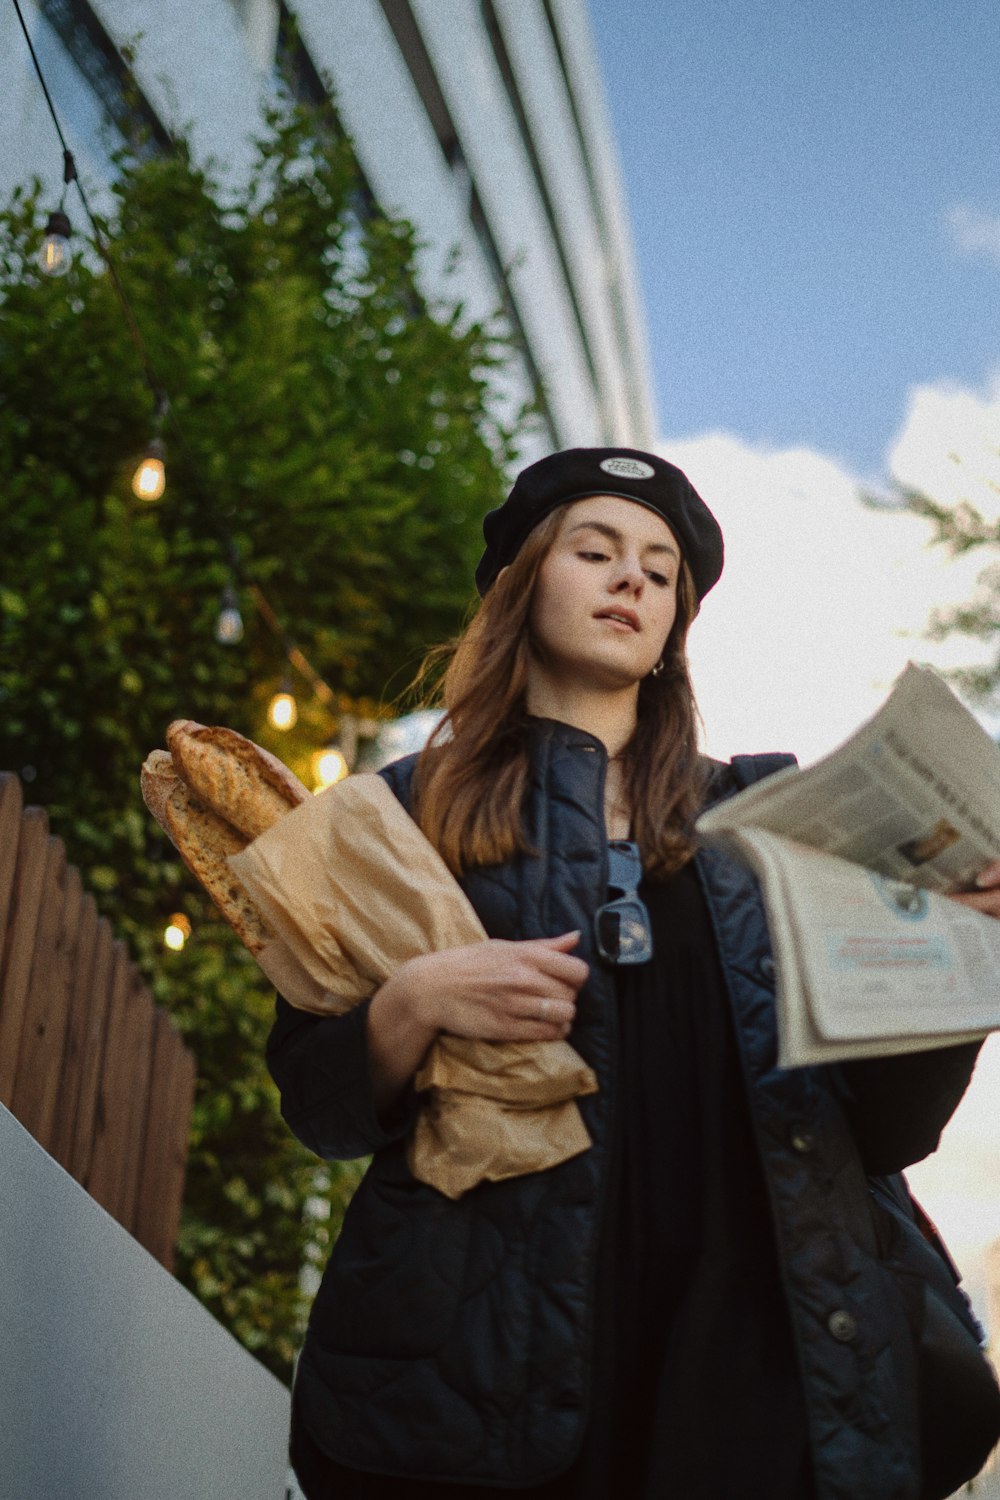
{"x": 399, "y": 775}
{"x": 726, "y": 777}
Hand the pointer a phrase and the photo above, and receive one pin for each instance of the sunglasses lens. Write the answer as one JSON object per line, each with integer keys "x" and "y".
{"x": 621, "y": 927}
{"x": 632, "y": 935}
{"x": 608, "y": 927}
{"x": 623, "y": 935}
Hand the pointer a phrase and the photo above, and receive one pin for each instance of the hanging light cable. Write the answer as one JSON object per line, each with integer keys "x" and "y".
{"x": 70, "y": 174}
{"x": 55, "y": 256}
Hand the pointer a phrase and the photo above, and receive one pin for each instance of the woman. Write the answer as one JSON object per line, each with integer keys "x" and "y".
{"x": 695, "y": 1306}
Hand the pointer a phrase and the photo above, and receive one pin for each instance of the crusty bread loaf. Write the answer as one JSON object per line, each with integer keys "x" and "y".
{"x": 203, "y": 840}
{"x": 242, "y": 783}
{"x": 212, "y": 792}
{"x": 157, "y": 779}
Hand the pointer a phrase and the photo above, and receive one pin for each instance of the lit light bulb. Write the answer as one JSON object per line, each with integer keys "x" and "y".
{"x": 282, "y": 711}
{"x": 328, "y": 765}
{"x": 177, "y": 932}
{"x": 150, "y": 478}
{"x": 56, "y": 256}
{"x": 229, "y": 625}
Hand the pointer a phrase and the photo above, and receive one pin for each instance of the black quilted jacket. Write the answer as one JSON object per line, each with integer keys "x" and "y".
{"x": 451, "y": 1340}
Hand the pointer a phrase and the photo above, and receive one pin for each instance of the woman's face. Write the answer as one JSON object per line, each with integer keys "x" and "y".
{"x": 609, "y": 556}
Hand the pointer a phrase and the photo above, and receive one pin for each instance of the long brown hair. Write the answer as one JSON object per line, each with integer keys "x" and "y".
{"x": 472, "y": 776}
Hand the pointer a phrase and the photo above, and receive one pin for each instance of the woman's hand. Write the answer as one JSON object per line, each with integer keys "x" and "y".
{"x": 496, "y": 991}
{"x": 987, "y": 897}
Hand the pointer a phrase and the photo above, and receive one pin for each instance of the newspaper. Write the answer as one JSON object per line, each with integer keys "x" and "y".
{"x": 856, "y": 856}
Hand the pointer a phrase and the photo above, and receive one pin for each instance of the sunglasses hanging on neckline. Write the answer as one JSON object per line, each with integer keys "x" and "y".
{"x": 622, "y": 929}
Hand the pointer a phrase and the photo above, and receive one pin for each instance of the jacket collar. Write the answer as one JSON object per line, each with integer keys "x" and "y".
{"x": 554, "y": 731}
{"x": 549, "y": 732}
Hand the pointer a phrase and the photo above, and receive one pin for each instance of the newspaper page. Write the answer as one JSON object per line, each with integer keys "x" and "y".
{"x": 871, "y": 958}
{"x": 867, "y": 965}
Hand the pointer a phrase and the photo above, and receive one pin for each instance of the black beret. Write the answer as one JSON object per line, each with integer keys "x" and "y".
{"x": 577, "y": 473}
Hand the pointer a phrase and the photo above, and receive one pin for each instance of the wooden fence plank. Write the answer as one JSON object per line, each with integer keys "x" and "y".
{"x": 39, "y": 1062}
{"x": 58, "y": 1000}
{"x": 11, "y": 804}
{"x": 76, "y": 1029}
{"x": 108, "y": 957}
{"x": 87, "y": 1062}
{"x": 172, "y": 1157}
{"x": 155, "y": 1173}
{"x": 134, "y": 1053}
{"x": 103, "y": 1176}
{"x": 29, "y": 874}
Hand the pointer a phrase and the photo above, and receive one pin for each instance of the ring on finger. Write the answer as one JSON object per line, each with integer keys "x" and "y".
{"x": 543, "y": 1009}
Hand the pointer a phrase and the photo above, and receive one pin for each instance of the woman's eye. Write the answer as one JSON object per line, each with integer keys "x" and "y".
{"x": 600, "y": 556}
{"x": 659, "y": 579}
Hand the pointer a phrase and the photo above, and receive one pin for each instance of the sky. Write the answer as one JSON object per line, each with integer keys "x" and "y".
{"x": 816, "y": 206}
{"x": 814, "y": 193}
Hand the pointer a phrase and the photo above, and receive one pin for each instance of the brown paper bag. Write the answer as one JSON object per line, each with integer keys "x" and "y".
{"x": 352, "y": 889}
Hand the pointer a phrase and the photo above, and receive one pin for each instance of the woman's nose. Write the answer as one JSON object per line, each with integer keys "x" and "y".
{"x": 630, "y": 576}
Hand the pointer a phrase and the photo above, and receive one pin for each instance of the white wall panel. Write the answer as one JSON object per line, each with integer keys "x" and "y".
{"x": 194, "y": 65}
{"x": 463, "y": 61}
{"x": 351, "y": 42}
{"x": 557, "y": 144}
{"x": 115, "y": 1383}
{"x": 588, "y": 94}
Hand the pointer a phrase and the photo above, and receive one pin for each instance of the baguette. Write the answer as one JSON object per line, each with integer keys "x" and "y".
{"x": 245, "y": 785}
{"x": 204, "y": 840}
{"x": 157, "y": 779}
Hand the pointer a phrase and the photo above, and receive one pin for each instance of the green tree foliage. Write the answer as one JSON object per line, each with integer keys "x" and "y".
{"x": 963, "y": 528}
{"x": 339, "y": 431}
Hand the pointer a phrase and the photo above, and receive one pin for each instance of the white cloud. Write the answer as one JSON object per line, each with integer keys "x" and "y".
{"x": 974, "y": 232}
{"x": 949, "y": 446}
{"x": 822, "y": 601}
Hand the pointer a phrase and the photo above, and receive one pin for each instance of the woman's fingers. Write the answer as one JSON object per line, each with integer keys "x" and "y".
{"x": 984, "y": 901}
{"x": 990, "y": 876}
{"x": 505, "y": 990}
{"x": 550, "y": 1010}
{"x": 551, "y": 956}
{"x": 513, "y": 1029}
{"x": 547, "y": 972}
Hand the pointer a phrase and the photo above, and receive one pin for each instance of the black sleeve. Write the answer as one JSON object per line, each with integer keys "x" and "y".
{"x": 321, "y": 1067}
{"x": 898, "y": 1106}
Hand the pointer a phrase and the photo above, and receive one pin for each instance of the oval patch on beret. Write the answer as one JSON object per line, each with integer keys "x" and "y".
{"x": 627, "y": 468}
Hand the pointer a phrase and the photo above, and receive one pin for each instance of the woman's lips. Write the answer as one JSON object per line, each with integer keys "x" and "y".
{"x": 633, "y": 623}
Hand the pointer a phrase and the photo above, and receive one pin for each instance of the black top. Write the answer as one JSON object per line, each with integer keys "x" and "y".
{"x": 696, "y": 1394}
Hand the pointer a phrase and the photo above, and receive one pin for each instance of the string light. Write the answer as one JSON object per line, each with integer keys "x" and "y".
{"x": 177, "y": 932}
{"x": 150, "y": 478}
{"x": 283, "y": 711}
{"x": 229, "y": 625}
{"x": 56, "y": 255}
{"x": 328, "y": 765}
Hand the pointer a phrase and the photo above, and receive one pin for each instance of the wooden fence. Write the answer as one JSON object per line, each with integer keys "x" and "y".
{"x": 88, "y": 1063}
